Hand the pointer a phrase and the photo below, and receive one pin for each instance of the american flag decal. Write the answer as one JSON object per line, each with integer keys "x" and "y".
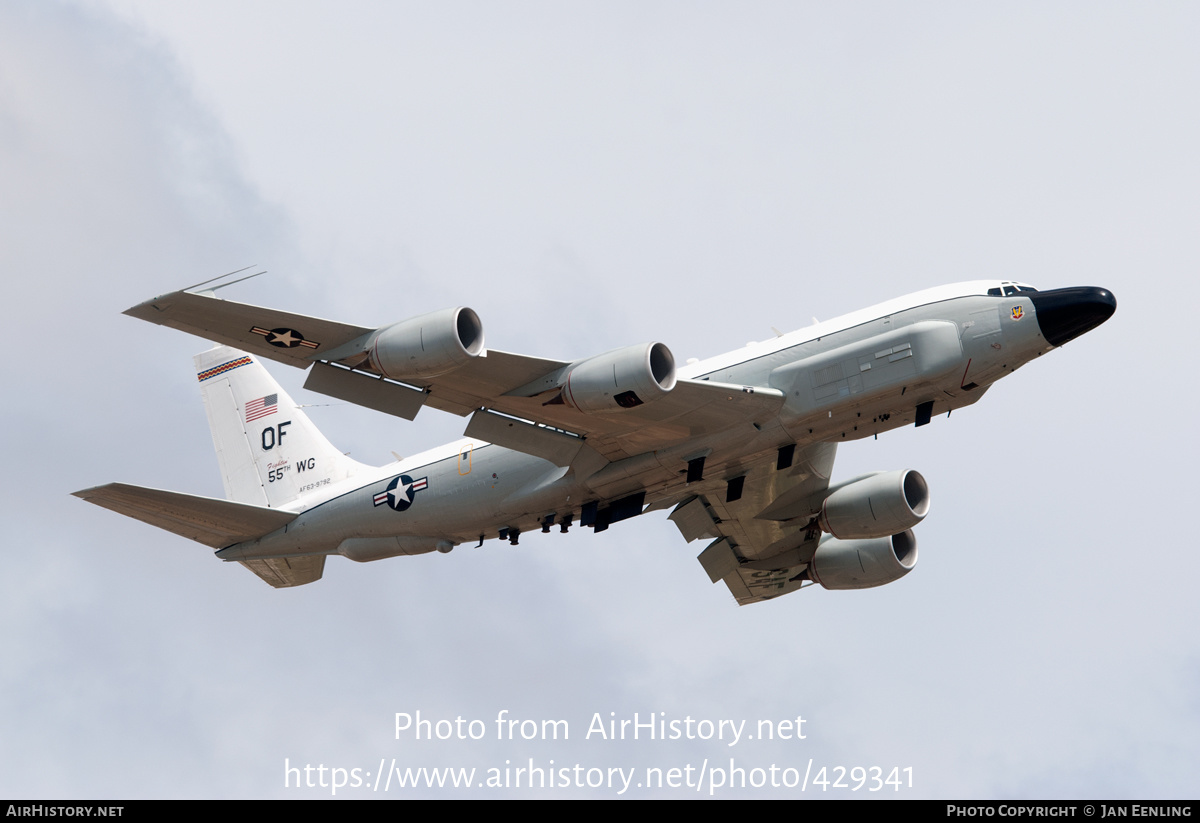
{"x": 221, "y": 369}
{"x": 262, "y": 407}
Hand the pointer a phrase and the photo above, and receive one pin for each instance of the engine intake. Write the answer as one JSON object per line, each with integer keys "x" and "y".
{"x": 876, "y": 506}
{"x": 863, "y": 564}
{"x": 620, "y": 379}
{"x": 426, "y": 346}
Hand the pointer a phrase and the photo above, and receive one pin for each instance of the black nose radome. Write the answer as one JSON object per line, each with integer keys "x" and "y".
{"x": 1064, "y": 314}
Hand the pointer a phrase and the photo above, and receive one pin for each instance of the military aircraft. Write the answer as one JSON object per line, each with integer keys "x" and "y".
{"x": 740, "y": 447}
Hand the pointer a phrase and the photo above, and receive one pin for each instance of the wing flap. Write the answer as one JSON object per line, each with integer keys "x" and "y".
{"x": 519, "y": 435}
{"x": 363, "y": 389}
{"x": 757, "y": 558}
{"x": 694, "y": 520}
{"x": 208, "y": 520}
{"x": 719, "y": 559}
{"x": 754, "y": 585}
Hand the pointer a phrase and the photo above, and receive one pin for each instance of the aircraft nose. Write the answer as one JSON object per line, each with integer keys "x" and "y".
{"x": 1064, "y": 314}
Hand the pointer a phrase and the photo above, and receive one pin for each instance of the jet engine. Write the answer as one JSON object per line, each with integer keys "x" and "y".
{"x": 621, "y": 379}
{"x": 876, "y": 506}
{"x": 863, "y": 564}
{"x": 428, "y": 345}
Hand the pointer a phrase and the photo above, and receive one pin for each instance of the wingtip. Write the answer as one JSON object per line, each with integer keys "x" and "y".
{"x": 148, "y": 309}
{"x": 92, "y": 491}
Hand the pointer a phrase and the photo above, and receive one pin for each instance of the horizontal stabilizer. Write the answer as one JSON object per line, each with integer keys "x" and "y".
{"x": 284, "y": 572}
{"x": 207, "y": 520}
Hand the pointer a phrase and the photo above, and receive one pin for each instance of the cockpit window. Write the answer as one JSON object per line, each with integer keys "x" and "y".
{"x": 1009, "y": 289}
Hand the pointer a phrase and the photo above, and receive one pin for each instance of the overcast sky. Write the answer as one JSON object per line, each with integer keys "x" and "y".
{"x": 586, "y": 176}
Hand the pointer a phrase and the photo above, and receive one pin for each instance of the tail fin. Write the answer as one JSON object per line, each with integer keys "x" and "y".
{"x": 270, "y": 452}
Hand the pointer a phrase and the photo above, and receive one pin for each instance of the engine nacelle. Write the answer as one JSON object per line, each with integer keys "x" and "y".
{"x": 428, "y": 345}
{"x": 876, "y": 506}
{"x": 863, "y": 564}
{"x": 620, "y": 379}
{"x": 366, "y": 549}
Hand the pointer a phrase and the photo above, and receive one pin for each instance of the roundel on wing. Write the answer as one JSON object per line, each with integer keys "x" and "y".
{"x": 401, "y": 492}
{"x": 285, "y": 338}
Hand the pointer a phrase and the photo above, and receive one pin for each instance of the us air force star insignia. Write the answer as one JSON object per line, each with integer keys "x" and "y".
{"x": 400, "y": 492}
{"x": 285, "y": 338}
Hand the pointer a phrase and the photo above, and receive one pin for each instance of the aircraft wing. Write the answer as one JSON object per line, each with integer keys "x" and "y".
{"x": 264, "y": 332}
{"x": 763, "y": 542}
{"x": 693, "y": 409}
{"x": 511, "y": 384}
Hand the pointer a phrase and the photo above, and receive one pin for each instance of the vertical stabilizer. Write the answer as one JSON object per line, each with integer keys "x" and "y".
{"x": 270, "y": 453}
